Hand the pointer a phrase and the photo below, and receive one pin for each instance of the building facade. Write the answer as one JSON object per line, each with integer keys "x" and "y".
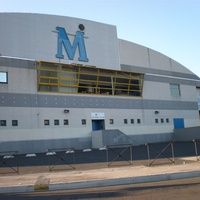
{"x": 63, "y": 79}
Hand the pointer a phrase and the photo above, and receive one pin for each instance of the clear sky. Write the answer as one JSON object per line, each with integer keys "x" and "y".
{"x": 171, "y": 27}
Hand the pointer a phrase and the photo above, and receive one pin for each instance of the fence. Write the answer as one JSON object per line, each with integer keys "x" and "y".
{"x": 68, "y": 158}
{"x": 62, "y": 156}
{"x": 117, "y": 153}
{"x": 161, "y": 150}
{"x": 196, "y": 144}
{"x": 9, "y": 161}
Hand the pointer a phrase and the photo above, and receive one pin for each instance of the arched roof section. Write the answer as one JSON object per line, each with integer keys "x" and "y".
{"x": 148, "y": 60}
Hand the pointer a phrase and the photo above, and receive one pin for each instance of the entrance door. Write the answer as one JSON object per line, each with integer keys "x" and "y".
{"x": 98, "y": 125}
{"x": 179, "y": 123}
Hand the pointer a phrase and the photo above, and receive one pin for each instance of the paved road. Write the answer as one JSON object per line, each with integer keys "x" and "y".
{"x": 177, "y": 189}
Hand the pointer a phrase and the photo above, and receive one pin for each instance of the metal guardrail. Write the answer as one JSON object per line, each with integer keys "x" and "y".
{"x": 64, "y": 158}
{"x": 118, "y": 152}
{"x": 10, "y": 159}
{"x": 61, "y": 156}
{"x": 196, "y": 144}
{"x": 160, "y": 152}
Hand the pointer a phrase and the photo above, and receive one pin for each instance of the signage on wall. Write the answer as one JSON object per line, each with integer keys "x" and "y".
{"x": 98, "y": 115}
{"x": 70, "y": 49}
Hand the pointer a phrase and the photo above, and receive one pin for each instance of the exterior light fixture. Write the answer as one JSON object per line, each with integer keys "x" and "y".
{"x": 66, "y": 111}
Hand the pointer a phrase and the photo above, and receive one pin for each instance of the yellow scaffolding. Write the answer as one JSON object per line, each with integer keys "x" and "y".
{"x": 75, "y": 78}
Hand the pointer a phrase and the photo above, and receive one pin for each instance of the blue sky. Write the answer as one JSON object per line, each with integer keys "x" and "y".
{"x": 171, "y": 27}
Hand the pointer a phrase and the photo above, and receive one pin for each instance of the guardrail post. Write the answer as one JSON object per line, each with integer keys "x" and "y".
{"x": 148, "y": 152}
{"x": 196, "y": 149}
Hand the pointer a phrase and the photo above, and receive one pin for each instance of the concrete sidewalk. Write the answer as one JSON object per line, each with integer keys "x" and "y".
{"x": 74, "y": 179}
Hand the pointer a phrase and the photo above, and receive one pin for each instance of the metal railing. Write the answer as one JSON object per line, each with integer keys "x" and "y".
{"x": 196, "y": 144}
{"x": 9, "y": 159}
{"x": 62, "y": 156}
{"x": 118, "y": 153}
{"x": 160, "y": 151}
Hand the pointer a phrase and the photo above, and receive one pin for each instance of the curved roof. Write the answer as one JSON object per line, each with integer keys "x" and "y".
{"x": 34, "y": 36}
{"x": 132, "y": 54}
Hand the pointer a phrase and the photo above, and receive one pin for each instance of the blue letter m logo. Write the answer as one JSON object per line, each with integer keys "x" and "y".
{"x": 71, "y": 49}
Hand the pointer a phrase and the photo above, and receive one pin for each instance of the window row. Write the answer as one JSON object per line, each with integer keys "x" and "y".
{"x": 57, "y": 122}
{"x": 132, "y": 121}
{"x": 65, "y": 122}
{"x": 83, "y": 121}
{"x": 162, "y": 120}
{"x": 4, "y": 123}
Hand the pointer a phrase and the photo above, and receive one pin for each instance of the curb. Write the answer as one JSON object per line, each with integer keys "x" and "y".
{"x": 124, "y": 181}
{"x": 102, "y": 183}
{"x": 17, "y": 189}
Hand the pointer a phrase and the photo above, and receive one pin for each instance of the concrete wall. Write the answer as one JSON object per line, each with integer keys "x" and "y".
{"x": 110, "y": 137}
{"x": 22, "y": 76}
{"x": 34, "y": 36}
{"x": 187, "y": 134}
{"x": 39, "y": 146}
{"x": 116, "y": 137}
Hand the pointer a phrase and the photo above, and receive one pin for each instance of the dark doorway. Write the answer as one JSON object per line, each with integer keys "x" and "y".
{"x": 98, "y": 125}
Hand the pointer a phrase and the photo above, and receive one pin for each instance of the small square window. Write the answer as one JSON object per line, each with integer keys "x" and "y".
{"x": 2, "y": 122}
{"x": 56, "y": 122}
{"x": 162, "y": 120}
{"x": 14, "y": 122}
{"x": 125, "y": 121}
{"x": 132, "y": 121}
{"x": 66, "y": 122}
{"x": 156, "y": 121}
{"x": 111, "y": 121}
{"x": 84, "y": 121}
{"x": 3, "y": 77}
{"x": 175, "y": 89}
{"x": 46, "y": 122}
{"x": 167, "y": 120}
{"x": 138, "y": 121}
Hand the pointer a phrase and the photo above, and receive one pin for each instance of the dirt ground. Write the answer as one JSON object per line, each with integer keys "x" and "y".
{"x": 56, "y": 168}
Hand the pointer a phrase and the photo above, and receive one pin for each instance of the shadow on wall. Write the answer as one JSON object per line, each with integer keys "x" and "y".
{"x": 102, "y": 138}
{"x": 187, "y": 134}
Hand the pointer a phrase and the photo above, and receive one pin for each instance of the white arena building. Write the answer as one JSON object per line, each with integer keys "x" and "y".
{"x": 68, "y": 82}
